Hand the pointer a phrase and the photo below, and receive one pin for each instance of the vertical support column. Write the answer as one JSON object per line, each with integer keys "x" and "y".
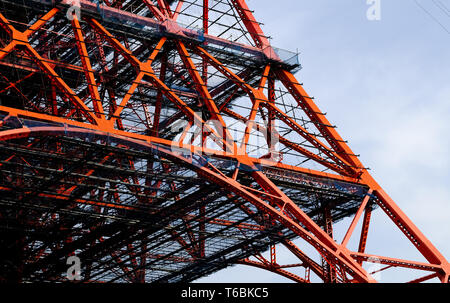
{"x": 87, "y": 67}
{"x": 271, "y": 117}
{"x": 202, "y": 230}
{"x": 329, "y": 272}
{"x": 307, "y": 274}
{"x": 205, "y": 31}
{"x": 364, "y": 230}
{"x": 110, "y": 80}
{"x": 273, "y": 255}
{"x": 159, "y": 96}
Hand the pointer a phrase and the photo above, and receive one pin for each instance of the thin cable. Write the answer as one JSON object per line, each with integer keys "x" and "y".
{"x": 432, "y": 17}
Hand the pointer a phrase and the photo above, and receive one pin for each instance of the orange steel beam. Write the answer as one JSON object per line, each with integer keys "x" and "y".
{"x": 77, "y": 200}
{"x": 25, "y": 132}
{"x": 364, "y": 230}
{"x": 251, "y": 24}
{"x": 362, "y": 207}
{"x": 203, "y": 90}
{"x": 177, "y": 9}
{"x": 159, "y": 97}
{"x": 289, "y": 144}
{"x": 52, "y": 63}
{"x": 398, "y": 262}
{"x": 307, "y": 262}
{"x": 170, "y": 28}
{"x": 322, "y": 240}
{"x": 165, "y": 8}
{"x": 145, "y": 69}
{"x": 257, "y": 95}
{"x": 87, "y": 67}
{"x": 278, "y": 270}
{"x": 423, "y": 279}
{"x": 416, "y": 237}
{"x": 271, "y": 200}
{"x": 155, "y": 10}
{"x": 314, "y": 141}
{"x": 224, "y": 222}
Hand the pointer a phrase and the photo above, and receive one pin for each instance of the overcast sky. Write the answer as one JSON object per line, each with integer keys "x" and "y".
{"x": 385, "y": 84}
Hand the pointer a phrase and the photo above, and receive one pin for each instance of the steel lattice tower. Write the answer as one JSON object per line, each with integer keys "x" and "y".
{"x": 161, "y": 141}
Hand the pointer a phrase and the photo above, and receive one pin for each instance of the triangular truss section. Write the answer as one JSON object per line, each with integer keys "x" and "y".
{"x": 164, "y": 140}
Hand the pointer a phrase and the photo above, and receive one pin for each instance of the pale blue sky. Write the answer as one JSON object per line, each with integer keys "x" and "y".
{"x": 385, "y": 84}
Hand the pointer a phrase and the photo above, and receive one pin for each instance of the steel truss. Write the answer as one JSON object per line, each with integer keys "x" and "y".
{"x": 161, "y": 141}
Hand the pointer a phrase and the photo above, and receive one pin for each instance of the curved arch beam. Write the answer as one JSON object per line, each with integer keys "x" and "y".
{"x": 333, "y": 253}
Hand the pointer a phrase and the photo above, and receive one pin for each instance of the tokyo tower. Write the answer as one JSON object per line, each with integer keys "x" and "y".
{"x": 164, "y": 140}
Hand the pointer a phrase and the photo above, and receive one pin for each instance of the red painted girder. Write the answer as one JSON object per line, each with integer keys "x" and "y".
{"x": 177, "y": 10}
{"x": 412, "y": 232}
{"x": 223, "y": 222}
{"x": 255, "y": 95}
{"x": 94, "y": 128}
{"x": 203, "y": 90}
{"x": 52, "y": 63}
{"x": 87, "y": 68}
{"x": 169, "y": 26}
{"x": 423, "y": 279}
{"x": 307, "y": 261}
{"x": 396, "y": 262}
{"x": 79, "y": 200}
{"x": 155, "y": 10}
{"x": 251, "y": 24}
{"x": 290, "y": 144}
{"x": 364, "y": 230}
{"x": 21, "y": 39}
{"x": 355, "y": 220}
{"x": 144, "y": 68}
{"x": 278, "y": 270}
{"x": 290, "y": 213}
